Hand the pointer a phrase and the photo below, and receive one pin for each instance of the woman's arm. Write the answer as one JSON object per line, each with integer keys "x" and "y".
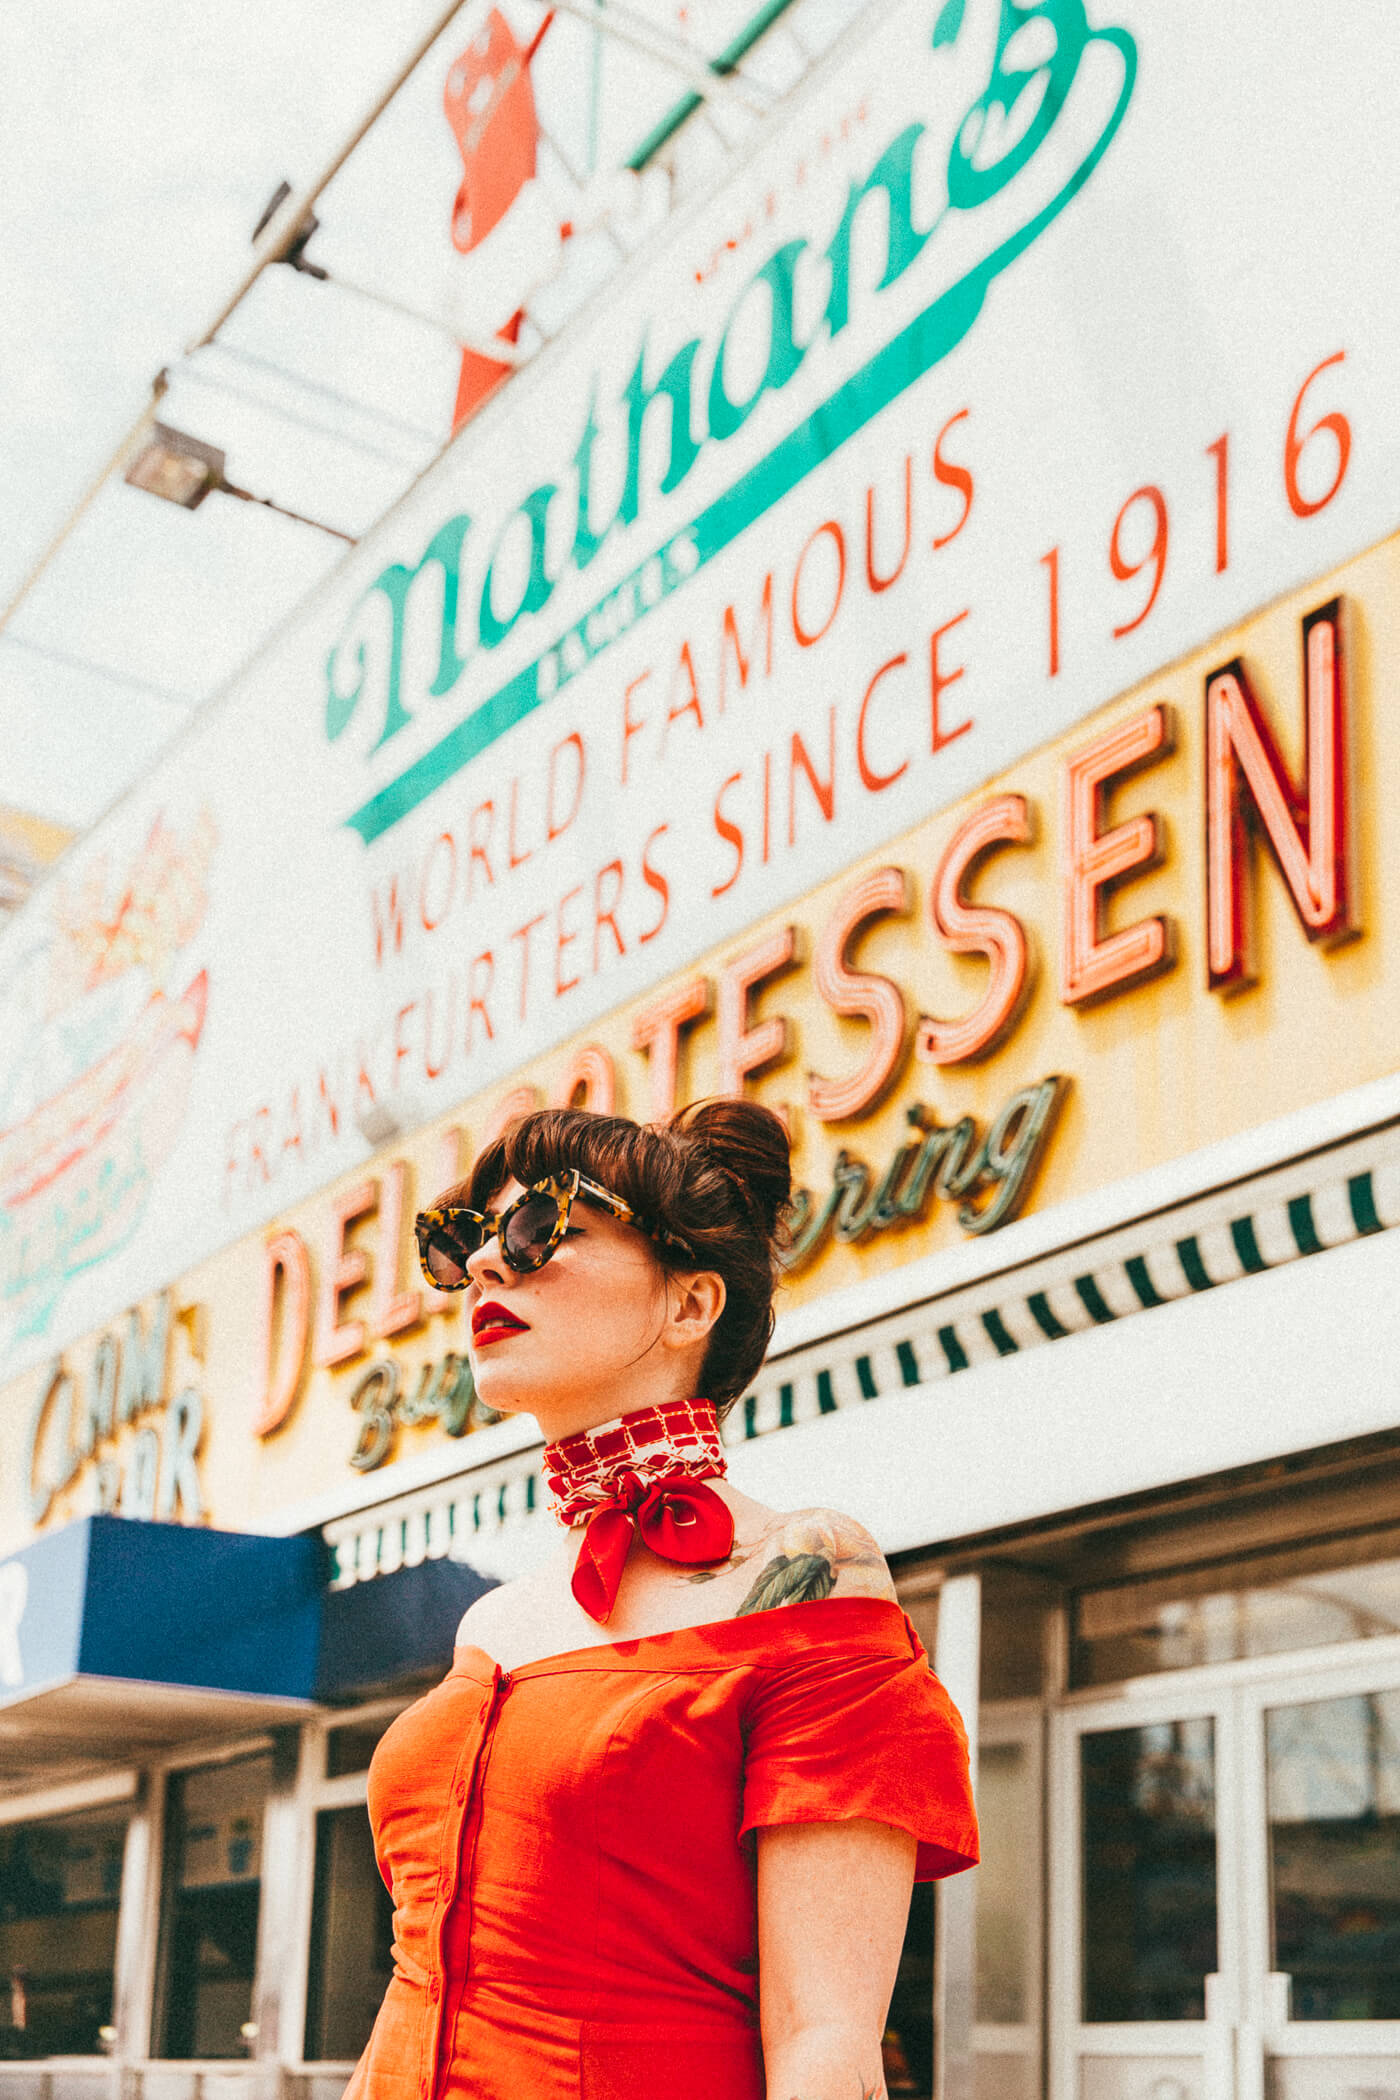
{"x": 833, "y": 1903}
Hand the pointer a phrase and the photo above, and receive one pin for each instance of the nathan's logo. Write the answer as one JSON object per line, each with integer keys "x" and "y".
{"x": 561, "y": 525}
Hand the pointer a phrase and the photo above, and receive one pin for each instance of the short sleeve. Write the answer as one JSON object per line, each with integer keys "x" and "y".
{"x": 868, "y": 1732}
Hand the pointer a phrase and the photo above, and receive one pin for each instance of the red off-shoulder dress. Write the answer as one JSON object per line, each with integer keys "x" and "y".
{"x": 569, "y": 1846}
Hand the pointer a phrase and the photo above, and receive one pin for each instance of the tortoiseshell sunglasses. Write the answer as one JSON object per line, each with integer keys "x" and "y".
{"x": 528, "y": 1230}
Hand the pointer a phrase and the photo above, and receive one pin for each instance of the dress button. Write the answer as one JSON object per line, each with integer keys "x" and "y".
{"x": 461, "y": 1789}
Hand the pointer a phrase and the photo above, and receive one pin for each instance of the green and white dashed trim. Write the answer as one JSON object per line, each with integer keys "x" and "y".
{"x": 1350, "y": 1193}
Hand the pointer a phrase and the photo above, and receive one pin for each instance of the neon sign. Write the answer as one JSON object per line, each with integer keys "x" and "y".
{"x": 1020, "y": 103}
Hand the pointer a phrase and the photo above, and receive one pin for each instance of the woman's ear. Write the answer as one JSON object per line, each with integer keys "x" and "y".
{"x": 694, "y": 1301}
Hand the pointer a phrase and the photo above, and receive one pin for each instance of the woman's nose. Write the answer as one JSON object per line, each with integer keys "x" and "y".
{"x": 487, "y": 1265}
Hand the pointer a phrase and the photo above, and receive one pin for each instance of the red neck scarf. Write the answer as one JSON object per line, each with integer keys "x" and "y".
{"x": 643, "y": 1473}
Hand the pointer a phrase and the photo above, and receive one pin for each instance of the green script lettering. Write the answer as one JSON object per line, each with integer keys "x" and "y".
{"x": 919, "y": 345}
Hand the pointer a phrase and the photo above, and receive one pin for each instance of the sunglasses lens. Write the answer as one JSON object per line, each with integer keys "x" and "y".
{"x": 448, "y": 1248}
{"x": 529, "y": 1230}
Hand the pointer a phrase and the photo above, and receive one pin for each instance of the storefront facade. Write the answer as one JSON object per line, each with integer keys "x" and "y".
{"x": 930, "y": 679}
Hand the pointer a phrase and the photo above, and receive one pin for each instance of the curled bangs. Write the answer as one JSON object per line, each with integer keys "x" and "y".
{"x": 623, "y": 1157}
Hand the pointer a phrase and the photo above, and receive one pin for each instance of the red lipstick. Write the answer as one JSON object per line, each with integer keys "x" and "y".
{"x": 492, "y": 1323}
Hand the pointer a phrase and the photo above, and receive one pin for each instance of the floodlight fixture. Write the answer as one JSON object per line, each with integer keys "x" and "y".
{"x": 183, "y": 469}
{"x": 179, "y": 468}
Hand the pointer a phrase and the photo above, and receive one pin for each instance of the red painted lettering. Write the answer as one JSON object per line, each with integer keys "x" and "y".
{"x": 514, "y": 858}
{"x": 731, "y": 834}
{"x": 522, "y": 934}
{"x": 605, "y": 910}
{"x": 824, "y": 791}
{"x": 806, "y": 636}
{"x": 939, "y": 681}
{"x": 483, "y": 966}
{"x": 951, "y": 476}
{"x": 875, "y": 581}
{"x": 564, "y": 937}
{"x": 573, "y": 742}
{"x": 684, "y": 681}
{"x": 632, "y": 724}
{"x": 387, "y": 913}
{"x": 480, "y": 846}
{"x": 439, "y": 868}
{"x": 869, "y": 778}
{"x": 729, "y": 641}
{"x": 655, "y": 880}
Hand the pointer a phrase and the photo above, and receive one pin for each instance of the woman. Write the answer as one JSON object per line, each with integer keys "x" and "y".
{"x": 654, "y": 1836}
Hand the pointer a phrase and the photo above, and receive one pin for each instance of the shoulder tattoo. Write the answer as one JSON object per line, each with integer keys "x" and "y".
{"x": 818, "y": 1553}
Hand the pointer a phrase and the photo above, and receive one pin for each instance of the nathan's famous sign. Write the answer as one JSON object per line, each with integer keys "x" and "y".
{"x": 1249, "y": 835}
{"x": 792, "y": 313}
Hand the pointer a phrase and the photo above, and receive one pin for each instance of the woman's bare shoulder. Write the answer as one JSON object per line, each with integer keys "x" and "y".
{"x": 803, "y": 1554}
{"x": 499, "y": 1607}
{"x": 508, "y": 1604}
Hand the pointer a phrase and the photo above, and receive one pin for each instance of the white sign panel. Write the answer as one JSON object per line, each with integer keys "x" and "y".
{"x": 1035, "y": 346}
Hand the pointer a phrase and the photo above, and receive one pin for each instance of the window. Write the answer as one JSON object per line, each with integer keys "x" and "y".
{"x": 352, "y": 1931}
{"x": 60, "y": 1884}
{"x": 213, "y": 1870}
{"x": 350, "y": 1746}
{"x": 1275, "y": 1604}
{"x": 1334, "y": 1847}
{"x": 1149, "y": 1870}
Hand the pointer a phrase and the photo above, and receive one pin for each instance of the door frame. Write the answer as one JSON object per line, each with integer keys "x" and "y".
{"x": 1140, "y": 1704}
{"x": 1367, "y": 1666}
{"x": 1245, "y": 2009}
{"x": 1022, "y": 1722}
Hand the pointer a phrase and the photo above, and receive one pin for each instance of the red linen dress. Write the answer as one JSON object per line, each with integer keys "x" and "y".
{"x": 568, "y": 1846}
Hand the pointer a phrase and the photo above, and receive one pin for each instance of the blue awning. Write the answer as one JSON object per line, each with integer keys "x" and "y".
{"x": 394, "y": 1628}
{"x": 119, "y": 1636}
{"x": 161, "y": 1603}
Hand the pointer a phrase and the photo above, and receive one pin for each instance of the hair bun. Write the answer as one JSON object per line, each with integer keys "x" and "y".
{"x": 750, "y": 1146}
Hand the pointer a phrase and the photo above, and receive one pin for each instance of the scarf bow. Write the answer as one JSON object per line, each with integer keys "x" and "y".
{"x": 679, "y": 1519}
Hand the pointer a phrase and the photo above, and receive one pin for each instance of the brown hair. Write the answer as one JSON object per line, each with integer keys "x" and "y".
{"x": 718, "y": 1176}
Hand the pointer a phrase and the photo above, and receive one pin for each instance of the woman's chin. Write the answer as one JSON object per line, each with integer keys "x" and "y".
{"x": 502, "y": 1396}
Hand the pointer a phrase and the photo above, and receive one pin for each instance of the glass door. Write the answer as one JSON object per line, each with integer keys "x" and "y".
{"x": 1226, "y": 1885}
{"x": 1321, "y": 1779}
{"x": 1144, "y": 1920}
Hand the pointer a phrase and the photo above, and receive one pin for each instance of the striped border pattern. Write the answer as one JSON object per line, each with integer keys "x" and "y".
{"x": 1346, "y": 1193}
{"x": 443, "y": 1522}
{"x": 1283, "y": 1217}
